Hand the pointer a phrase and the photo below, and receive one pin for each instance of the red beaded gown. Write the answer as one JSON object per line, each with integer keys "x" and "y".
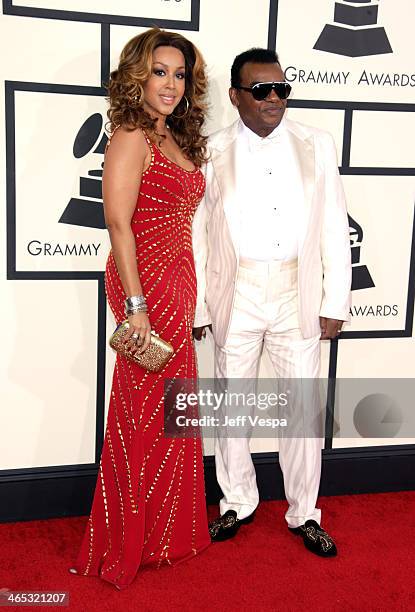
{"x": 149, "y": 505}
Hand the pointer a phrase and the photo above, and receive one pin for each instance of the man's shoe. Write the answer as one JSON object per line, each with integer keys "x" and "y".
{"x": 315, "y": 539}
{"x": 227, "y": 526}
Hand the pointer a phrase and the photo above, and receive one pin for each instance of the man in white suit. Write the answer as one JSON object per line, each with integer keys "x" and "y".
{"x": 272, "y": 255}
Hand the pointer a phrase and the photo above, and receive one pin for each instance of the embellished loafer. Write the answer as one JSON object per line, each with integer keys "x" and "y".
{"x": 315, "y": 539}
{"x": 227, "y": 526}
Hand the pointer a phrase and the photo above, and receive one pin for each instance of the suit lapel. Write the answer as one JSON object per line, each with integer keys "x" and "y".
{"x": 224, "y": 164}
{"x": 304, "y": 153}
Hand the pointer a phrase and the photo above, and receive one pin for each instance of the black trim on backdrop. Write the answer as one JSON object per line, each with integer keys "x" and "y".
{"x": 331, "y": 394}
{"x": 42, "y": 13}
{"x": 347, "y": 137}
{"x": 85, "y": 90}
{"x": 370, "y": 171}
{"x": 345, "y": 471}
{"x": 272, "y": 24}
{"x": 105, "y": 53}
{"x": 51, "y": 471}
{"x": 411, "y": 290}
{"x": 397, "y": 107}
{"x": 51, "y": 493}
{"x": 101, "y": 354}
{"x": 10, "y": 180}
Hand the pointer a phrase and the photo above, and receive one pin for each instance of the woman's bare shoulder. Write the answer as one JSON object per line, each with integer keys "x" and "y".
{"x": 127, "y": 146}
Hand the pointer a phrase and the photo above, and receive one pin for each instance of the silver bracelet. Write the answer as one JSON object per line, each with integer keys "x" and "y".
{"x": 134, "y": 300}
{"x": 133, "y": 310}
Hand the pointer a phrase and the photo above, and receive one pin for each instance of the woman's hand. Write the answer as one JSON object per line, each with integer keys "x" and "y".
{"x": 138, "y": 333}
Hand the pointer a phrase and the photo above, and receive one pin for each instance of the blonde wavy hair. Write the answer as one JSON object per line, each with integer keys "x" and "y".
{"x": 126, "y": 96}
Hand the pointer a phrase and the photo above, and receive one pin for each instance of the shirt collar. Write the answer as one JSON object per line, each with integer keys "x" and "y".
{"x": 256, "y": 142}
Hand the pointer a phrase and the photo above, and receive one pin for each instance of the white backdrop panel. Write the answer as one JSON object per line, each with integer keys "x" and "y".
{"x": 377, "y": 358}
{"x": 358, "y": 78}
{"x": 326, "y": 119}
{"x": 158, "y": 9}
{"x": 377, "y": 144}
{"x": 48, "y": 51}
{"x": 383, "y": 207}
{"x": 45, "y": 189}
{"x": 47, "y": 416}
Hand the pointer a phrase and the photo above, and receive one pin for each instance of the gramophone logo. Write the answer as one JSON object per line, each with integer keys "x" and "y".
{"x": 355, "y": 32}
{"x": 87, "y": 210}
{"x": 361, "y": 278}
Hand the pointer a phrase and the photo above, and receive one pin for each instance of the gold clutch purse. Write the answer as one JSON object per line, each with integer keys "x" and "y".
{"x": 154, "y": 357}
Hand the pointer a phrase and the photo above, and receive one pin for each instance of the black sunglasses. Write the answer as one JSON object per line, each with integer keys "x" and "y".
{"x": 260, "y": 91}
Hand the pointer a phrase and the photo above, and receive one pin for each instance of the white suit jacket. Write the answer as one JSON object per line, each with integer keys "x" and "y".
{"x": 324, "y": 266}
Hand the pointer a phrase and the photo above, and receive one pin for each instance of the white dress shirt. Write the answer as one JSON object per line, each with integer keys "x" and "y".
{"x": 269, "y": 187}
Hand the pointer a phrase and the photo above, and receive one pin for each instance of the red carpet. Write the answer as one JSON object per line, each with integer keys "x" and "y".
{"x": 264, "y": 567}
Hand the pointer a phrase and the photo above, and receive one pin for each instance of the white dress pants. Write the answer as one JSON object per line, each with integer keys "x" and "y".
{"x": 265, "y": 313}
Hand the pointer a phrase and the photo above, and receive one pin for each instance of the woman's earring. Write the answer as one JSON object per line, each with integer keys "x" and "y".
{"x": 185, "y": 112}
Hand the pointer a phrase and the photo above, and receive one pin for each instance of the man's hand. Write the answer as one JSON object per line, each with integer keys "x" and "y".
{"x": 200, "y": 332}
{"x": 330, "y": 328}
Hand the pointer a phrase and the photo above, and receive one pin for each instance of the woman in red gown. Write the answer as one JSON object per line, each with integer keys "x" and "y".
{"x": 149, "y": 505}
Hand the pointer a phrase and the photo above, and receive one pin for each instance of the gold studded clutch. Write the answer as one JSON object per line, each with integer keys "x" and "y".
{"x": 154, "y": 357}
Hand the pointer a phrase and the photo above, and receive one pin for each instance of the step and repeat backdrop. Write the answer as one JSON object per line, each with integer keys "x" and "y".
{"x": 351, "y": 68}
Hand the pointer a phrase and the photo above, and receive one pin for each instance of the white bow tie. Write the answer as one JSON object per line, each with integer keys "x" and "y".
{"x": 264, "y": 143}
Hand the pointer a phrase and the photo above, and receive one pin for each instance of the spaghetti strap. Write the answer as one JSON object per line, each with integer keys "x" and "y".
{"x": 148, "y": 140}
